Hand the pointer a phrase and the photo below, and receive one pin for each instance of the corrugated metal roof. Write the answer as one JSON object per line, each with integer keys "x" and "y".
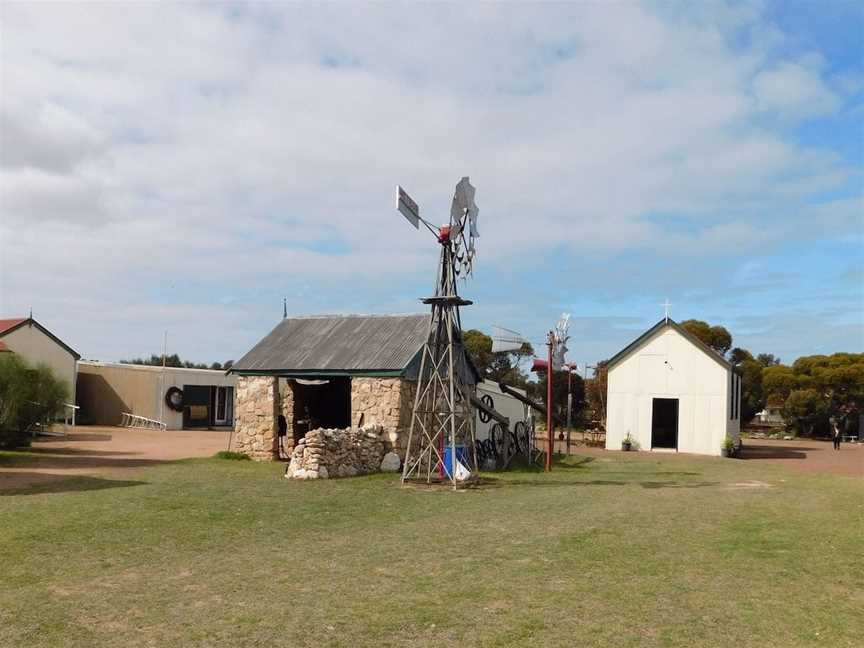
{"x": 338, "y": 343}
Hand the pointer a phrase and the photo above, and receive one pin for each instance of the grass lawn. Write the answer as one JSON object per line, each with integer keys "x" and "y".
{"x": 621, "y": 550}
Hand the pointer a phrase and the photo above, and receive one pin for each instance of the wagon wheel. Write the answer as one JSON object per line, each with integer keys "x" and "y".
{"x": 487, "y": 399}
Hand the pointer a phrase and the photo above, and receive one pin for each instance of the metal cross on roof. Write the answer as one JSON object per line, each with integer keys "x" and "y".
{"x": 666, "y": 306}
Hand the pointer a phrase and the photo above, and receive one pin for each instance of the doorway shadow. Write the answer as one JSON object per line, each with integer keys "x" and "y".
{"x": 775, "y": 452}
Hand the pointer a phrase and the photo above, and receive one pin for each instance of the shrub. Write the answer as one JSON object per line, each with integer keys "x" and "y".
{"x": 28, "y": 396}
{"x": 233, "y": 456}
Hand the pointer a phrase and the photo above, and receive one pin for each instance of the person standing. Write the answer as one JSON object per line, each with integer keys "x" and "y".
{"x": 835, "y": 433}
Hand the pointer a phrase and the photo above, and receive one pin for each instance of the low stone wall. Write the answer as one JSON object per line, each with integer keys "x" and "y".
{"x": 325, "y": 453}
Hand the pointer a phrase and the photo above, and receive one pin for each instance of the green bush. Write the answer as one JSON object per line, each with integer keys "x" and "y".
{"x": 28, "y": 396}
{"x": 233, "y": 456}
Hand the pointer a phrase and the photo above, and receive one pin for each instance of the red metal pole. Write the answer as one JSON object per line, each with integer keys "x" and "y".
{"x": 549, "y": 430}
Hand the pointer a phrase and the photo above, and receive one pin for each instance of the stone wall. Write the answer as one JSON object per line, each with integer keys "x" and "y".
{"x": 286, "y": 399}
{"x": 386, "y": 402}
{"x": 325, "y": 453}
{"x": 383, "y": 402}
{"x": 255, "y": 408}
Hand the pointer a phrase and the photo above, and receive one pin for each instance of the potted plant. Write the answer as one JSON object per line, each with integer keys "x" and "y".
{"x": 728, "y": 447}
{"x": 627, "y": 443}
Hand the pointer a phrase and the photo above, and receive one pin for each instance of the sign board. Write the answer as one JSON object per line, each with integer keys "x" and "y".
{"x": 504, "y": 339}
{"x": 407, "y": 207}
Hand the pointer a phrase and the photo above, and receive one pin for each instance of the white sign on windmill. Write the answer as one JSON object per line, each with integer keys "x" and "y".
{"x": 504, "y": 340}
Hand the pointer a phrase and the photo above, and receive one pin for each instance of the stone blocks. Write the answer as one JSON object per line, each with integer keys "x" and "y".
{"x": 255, "y": 412}
{"x": 326, "y": 453}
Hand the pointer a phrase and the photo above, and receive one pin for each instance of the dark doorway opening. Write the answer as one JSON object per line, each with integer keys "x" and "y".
{"x": 664, "y": 423}
{"x": 207, "y": 406}
{"x": 320, "y": 404}
{"x": 197, "y": 406}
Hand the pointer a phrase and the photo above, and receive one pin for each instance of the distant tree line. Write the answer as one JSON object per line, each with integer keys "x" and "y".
{"x": 174, "y": 360}
{"x": 810, "y": 392}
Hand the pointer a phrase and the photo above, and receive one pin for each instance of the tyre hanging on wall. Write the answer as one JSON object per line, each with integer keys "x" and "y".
{"x": 174, "y": 399}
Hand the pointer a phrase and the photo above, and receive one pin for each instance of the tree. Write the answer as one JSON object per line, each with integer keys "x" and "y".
{"x": 596, "y": 393}
{"x": 803, "y": 407}
{"x": 767, "y": 359}
{"x": 779, "y": 381}
{"x": 498, "y": 367}
{"x": 539, "y": 392}
{"x": 819, "y": 388}
{"x": 479, "y": 347}
{"x": 739, "y": 355}
{"x": 752, "y": 390}
{"x": 174, "y": 361}
{"x": 28, "y": 395}
{"x": 715, "y": 337}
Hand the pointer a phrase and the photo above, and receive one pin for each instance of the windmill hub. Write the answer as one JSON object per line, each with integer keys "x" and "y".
{"x": 444, "y": 234}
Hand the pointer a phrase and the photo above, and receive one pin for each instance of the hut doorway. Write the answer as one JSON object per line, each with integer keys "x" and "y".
{"x": 324, "y": 403}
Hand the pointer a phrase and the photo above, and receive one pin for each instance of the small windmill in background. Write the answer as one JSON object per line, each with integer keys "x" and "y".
{"x": 505, "y": 340}
{"x": 556, "y": 341}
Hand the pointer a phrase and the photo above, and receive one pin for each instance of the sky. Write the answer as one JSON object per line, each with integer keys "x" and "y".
{"x": 186, "y": 167}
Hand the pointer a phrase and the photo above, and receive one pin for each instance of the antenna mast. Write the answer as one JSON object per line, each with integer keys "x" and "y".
{"x": 441, "y": 439}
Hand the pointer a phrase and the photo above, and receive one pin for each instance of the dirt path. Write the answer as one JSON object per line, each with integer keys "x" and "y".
{"x": 104, "y": 451}
{"x": 808, "y": 455}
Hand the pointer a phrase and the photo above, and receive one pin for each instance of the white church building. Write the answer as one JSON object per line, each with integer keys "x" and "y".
{"x": 670, "y": 392}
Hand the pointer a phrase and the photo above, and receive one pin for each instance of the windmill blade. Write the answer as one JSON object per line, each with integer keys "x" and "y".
{"x": 463, "y": 198}
{"x": 473, "y": 214}
{"x": 559, "y": 352}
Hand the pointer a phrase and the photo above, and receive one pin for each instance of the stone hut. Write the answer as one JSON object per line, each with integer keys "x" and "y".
{"x": 331, "y": 372}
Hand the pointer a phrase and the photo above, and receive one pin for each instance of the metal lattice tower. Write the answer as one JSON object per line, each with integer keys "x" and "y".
{"x": 442, "y": 432}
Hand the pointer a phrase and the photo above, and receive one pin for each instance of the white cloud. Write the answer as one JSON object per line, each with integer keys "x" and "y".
{"x": 49, "y": 137}
{"x": 221, "y": 148}
{"x": 794, "y": 90}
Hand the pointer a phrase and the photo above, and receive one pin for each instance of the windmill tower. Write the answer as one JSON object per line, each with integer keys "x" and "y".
{"x": 441, "y": 439}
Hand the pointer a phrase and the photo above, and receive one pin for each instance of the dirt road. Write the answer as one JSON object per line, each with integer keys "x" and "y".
{"x": 104, "y": 451}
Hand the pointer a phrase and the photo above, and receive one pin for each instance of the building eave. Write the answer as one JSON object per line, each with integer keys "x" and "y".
{"x": 32, "y": 322}
{"x": 320, "y": 373}
{"x": 635, "y": 344}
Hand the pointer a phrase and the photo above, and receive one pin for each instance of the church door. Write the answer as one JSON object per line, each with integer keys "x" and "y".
{"x": 664, "y": 423}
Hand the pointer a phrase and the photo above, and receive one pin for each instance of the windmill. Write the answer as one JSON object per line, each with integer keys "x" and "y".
{"x": 556, "y": 341}
{"x": 441, "y": 439}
